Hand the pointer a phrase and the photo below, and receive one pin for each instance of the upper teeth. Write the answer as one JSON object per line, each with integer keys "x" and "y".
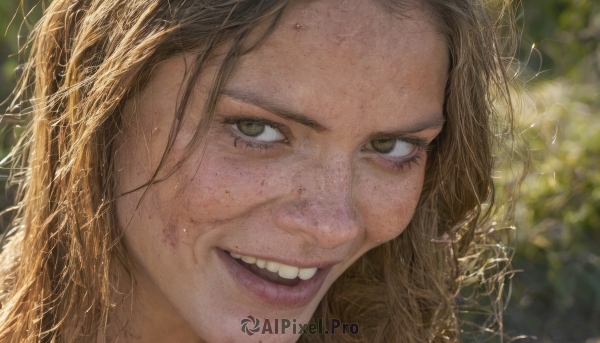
{"x": 285, "y": 271}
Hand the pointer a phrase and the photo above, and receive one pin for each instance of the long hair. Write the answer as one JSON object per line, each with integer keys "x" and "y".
{"x": 89, "y": 57}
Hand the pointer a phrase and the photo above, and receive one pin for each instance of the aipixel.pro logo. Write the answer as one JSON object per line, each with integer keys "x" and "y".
{"x": 251, "y": 326}
{"x": 248, "y": 322}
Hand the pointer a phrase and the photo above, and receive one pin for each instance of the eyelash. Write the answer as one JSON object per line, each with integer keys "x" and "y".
{"x": 251, "y": 144}
{"x": 398, "y": 166}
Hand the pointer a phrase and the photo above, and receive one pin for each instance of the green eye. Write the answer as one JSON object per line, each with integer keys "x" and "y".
{"x": 251, "y": 128}
{"x": 383, "y": 146}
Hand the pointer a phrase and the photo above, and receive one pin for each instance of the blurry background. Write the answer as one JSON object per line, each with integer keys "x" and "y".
{"x": 556, "y": 296}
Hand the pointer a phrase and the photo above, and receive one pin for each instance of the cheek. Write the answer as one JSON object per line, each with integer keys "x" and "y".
{"x": 223, "y": 188}
{"x": 388, "y": 204}
{"x": 150, "y": 215}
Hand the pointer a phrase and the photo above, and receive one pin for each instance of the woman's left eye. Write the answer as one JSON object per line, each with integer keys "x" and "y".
{"x": 392, "y": 147}
{"x": 258, "y": 131}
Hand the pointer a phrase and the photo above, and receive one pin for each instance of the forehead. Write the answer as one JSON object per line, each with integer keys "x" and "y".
{"x": 337, "y": 55}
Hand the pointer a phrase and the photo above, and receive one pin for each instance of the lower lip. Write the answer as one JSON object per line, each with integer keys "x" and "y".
{"x": 271, "y": 293}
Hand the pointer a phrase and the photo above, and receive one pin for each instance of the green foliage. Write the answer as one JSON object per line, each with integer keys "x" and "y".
{"x": 567, "y": 33}
{"x": 8, "y": 48}
{"x": 557, "y": 296}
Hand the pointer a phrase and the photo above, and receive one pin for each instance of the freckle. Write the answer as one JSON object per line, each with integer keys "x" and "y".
{"x": 262, "y": 183}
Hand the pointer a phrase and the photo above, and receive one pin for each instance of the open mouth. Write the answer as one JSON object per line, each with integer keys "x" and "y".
{"x": 275, "y": 272}
{"x": 273, "y": 282}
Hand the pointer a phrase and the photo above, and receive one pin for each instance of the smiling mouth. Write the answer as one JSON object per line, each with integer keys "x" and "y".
{"x": 274, "y": 283}
{"x": 274, "y": 272}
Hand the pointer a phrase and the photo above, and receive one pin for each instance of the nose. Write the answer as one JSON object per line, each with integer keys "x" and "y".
{"x": 321, "y": 206}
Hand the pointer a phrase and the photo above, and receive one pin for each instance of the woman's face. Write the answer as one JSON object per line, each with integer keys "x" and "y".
{"x": 316, "y": 154}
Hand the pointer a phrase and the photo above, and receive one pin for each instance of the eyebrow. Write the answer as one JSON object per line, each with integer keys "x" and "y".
{"x": 275, "y": 108}
{"x": 436, "y": 122}
{"x": 256, "y": 99}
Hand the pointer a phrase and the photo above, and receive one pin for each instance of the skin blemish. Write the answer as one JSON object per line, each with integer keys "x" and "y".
{"x": 169, "y": 235}
{"x": 299, "y": 27}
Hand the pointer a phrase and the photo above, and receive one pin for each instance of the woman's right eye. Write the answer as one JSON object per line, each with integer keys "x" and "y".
{"x": 258, "y": 131}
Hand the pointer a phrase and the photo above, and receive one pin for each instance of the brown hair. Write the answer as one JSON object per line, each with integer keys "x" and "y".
{"x": 88, "y": 57}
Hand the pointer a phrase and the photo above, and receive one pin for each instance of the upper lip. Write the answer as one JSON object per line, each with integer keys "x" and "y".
{"x": 321, "y": 264}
